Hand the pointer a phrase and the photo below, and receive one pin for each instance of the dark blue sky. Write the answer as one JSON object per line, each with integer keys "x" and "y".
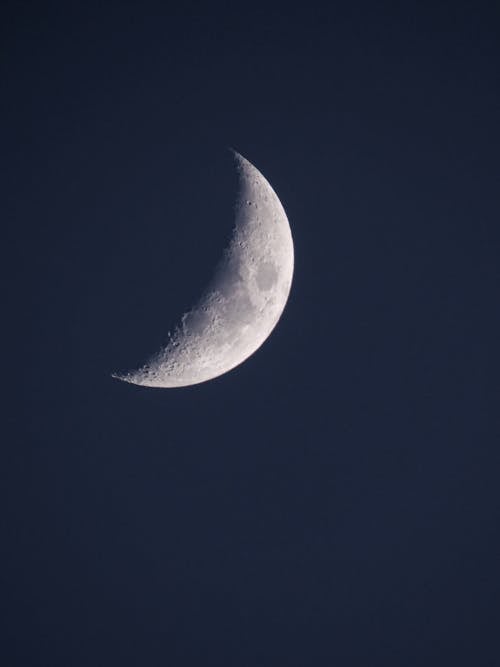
{"x": 334, "y": 500}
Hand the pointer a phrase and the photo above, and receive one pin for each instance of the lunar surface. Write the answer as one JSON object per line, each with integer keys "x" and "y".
{"x": 243, "y": 302}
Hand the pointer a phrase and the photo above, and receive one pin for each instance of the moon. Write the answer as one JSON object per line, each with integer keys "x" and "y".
{"x": 244, "y": 300}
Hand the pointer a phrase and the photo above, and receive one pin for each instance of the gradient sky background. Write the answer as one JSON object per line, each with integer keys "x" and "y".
{"x": 335, "y": 500}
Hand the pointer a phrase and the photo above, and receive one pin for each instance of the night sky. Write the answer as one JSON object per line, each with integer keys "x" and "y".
{"x": 335, "y": 500}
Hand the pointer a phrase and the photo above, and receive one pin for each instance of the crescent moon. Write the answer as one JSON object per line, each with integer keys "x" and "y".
{"x": 243, "y": 302}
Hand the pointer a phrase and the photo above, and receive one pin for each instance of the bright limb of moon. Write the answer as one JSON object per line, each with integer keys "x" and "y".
{"x": 243, "y": 302}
